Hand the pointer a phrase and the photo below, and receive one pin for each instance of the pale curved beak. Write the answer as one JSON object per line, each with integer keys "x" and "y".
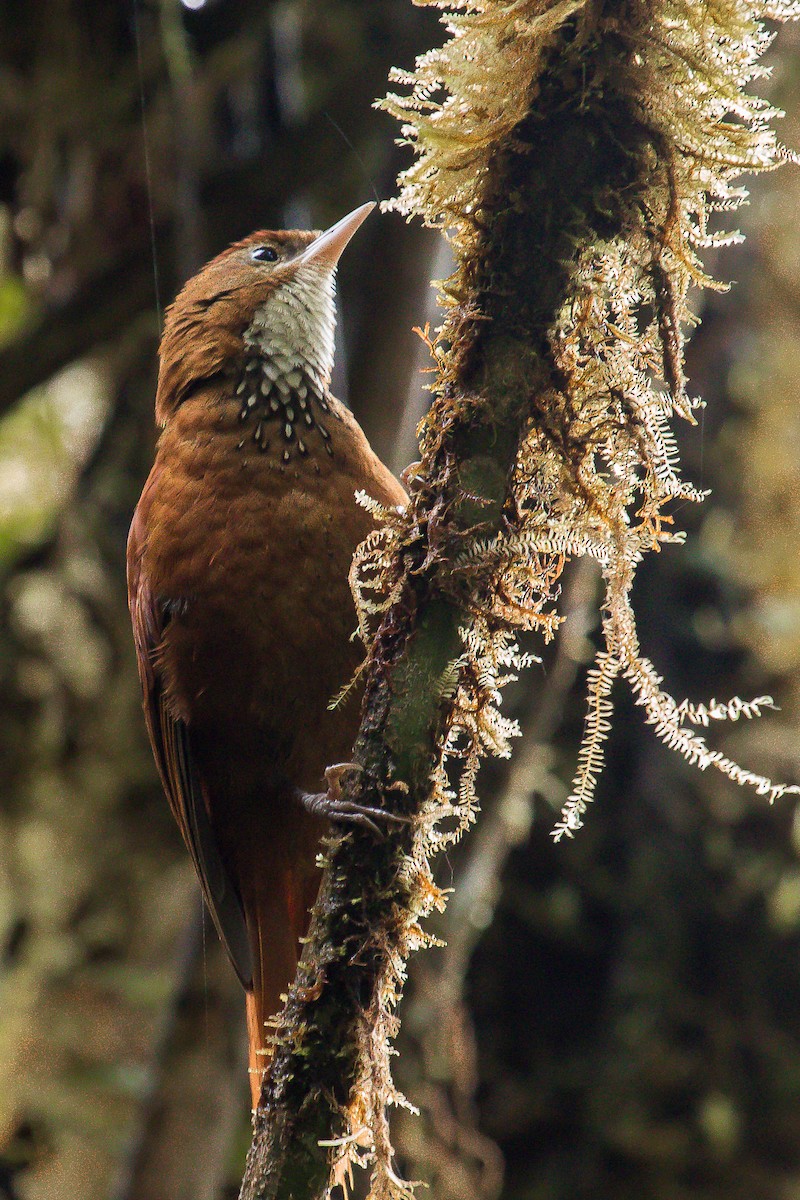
{"x": 326, "y": 249}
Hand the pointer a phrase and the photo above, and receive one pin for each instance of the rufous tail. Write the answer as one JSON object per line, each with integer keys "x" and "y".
{"x": 277, "y": 917}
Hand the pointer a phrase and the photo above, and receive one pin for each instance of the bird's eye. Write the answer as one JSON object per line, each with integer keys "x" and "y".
{"x": 264, "y": 254}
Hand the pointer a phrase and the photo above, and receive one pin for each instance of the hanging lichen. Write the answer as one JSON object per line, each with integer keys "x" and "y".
{"x": 585, "y": 145}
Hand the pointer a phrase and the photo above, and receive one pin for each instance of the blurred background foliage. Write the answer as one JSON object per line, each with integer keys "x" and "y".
{"x": 614, "y": 1017}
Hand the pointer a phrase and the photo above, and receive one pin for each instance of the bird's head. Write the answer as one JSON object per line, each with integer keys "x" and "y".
{"x": 271, "y": 294}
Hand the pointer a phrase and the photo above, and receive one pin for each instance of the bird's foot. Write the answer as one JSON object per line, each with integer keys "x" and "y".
{"x": 331, "y": 804}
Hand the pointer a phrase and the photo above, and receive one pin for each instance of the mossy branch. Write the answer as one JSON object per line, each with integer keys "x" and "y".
{"x": 573, "y": 150}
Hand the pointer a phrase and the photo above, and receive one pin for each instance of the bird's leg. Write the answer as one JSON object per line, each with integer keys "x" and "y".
{"x": 332, "y": 805}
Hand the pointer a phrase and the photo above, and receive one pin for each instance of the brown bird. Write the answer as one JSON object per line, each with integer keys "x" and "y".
{"x": 238, "y": 559}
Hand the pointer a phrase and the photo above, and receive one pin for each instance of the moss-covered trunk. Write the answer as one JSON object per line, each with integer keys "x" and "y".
{"x": 574, "y": 155}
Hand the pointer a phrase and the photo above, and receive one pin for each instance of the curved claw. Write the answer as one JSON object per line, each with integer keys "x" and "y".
{"x": 334, "y": 774}
{"x": 332, "y": 805}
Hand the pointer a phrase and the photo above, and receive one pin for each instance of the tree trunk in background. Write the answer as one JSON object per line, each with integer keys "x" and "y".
{"x": 96, "y": 894}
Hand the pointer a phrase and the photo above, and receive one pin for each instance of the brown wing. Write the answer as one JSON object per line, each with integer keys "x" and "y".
{"x": 171, "y": 742}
